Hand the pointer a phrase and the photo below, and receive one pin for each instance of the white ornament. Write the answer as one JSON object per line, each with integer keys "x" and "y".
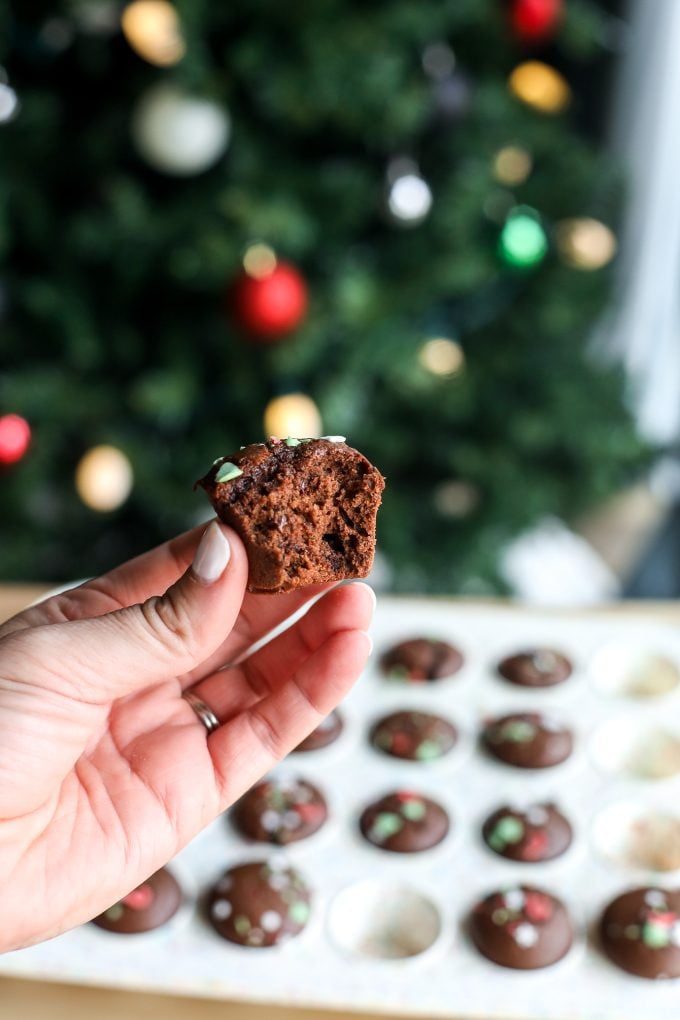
{"x": 177, "y": 133}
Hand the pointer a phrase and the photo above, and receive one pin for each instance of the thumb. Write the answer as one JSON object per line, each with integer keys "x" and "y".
{"x": 165, "y": 636}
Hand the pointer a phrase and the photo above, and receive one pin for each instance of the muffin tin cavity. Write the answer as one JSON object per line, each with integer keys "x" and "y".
{"x": 636, "y": 836}
{"x": 634, "y": 748}
{"x": 383, "y": 921}
{"x": 634, "y": 670}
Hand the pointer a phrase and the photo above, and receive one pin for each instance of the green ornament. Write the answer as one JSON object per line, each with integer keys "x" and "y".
{"x": 523, "y": 242}
{"x": 506, "y": 830}
{"x": 227, "y": 472}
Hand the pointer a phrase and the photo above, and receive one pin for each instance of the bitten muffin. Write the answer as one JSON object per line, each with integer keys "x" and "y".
{"x": 640, "y": 932}
{"x": 304, "y": 508}
{"x": 537, "y": 833}
{"x": 148, "y": 906}
{"x": 421, "y": 659}
{"x": 522, "y": 928}
{"x": 259, "y": 904}
{"x": 280, "y": 811}
{"x": 415, "y": 736}
{"x": 528, "y": 740}
{"x": 328, "y": 730}
{"x": 404, "y": 822}
{"x": 538, "y": 667}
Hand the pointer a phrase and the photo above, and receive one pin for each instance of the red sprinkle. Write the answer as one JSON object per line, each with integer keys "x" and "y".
{"x": 140, "y": 898}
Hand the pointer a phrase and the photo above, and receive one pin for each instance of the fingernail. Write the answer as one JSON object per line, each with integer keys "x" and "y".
{"x": 370, "y": 641}
{"x": 212, "y": 555}
{"x": 362, "y": 584}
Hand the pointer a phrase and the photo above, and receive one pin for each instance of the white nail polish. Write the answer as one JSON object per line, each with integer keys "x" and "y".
{"x": 212, "y": 555}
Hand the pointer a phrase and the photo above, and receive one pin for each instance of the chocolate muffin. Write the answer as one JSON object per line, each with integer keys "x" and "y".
{"x": 259, "y": 904}
{"x": 421, "y": 659}
{"x": 539, "y": 833}
{"x": 328, "y": 730}
{"x": 416, "y": 736}
{"x": 521, "y": 927}
{"x": 280, "y": 811}
{"x": 538, "y": 667}
{"x": 640, "y": 932}
{"x": 148, "y": 906}
{"x": 527, "y": 740}
{"x": 304, "y": 508}
{"x": 404, "y": 823}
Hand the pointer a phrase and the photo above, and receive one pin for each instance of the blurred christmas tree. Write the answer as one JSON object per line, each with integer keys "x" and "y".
{"x": 390, "y": 215}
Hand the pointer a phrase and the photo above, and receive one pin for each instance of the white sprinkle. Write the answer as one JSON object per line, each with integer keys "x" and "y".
{"x": 335, "y": 439}
{"x": 675, "y": 933}
{"x": 514, "y": 899}
{"x": 655, "y": 898}
{"x": 278, "y": 882}
{"x": 271, "y": 920}
{"x": 537, "y": 815}
{"x": 291, "y": 820}
{"x": 221, "y": 909}
{"x": 525, "y": 935}
{"x": 225, "y": 883}
{"x": 271, "y": 821}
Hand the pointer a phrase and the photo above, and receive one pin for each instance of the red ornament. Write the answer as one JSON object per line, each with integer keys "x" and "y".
{"x": 271, "y": 306}
{"x": 533, "y": 21}
{"x": 15, "y": 438}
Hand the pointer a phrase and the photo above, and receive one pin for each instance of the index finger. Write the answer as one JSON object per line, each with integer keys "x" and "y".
{"x": 152, "y": 573}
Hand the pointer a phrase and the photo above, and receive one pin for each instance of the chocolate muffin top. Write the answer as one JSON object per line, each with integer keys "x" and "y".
{"x": 404, "y": 822}
{"x": 280, "y": 811}
{"x": 148, "y": 906}
{"x": 421, "y": 659}
{"x": 259, "y": 904}
{"x": 528, "y": 740}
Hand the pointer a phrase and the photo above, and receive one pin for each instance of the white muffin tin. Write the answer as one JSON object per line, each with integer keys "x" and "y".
{"x": 387, "y": 932}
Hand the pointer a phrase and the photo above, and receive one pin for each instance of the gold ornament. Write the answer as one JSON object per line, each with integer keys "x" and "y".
{"x": 104, "y": 478}
{"x": 585, "y": 243}
{"x": 456, "y": 499}
{"x": 442, "y": 357}
{"x": 152, "y": 29}
{"x": 540, "y": 86}
{"x": 259, "y": 261}
{"x": 512, "y": 165}
{"x": 294, "y": 414}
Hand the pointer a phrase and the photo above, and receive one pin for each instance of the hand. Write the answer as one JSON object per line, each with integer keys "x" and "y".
{"x": 106, "y": 772}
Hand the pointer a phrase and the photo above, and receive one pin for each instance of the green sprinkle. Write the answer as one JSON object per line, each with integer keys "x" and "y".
{"x": 291, "y": 441}
{"x": 414, "y": 810}
{"x": 241, "y": 924}
{"x": 656, "y": 936}
{"x": 500, "y": 916}
{"x": 386, "y": 824}
{"x": 519, "y": 731}
{"x": 115, "y": 912}
{"x": 427, "y": 750}
{"x": 227, "y": 472}
{"x": 506, "y": 830}
{"x": 631, "y": 931}
{"x": 398, "y": 672}
{"x": 298, "y": 912}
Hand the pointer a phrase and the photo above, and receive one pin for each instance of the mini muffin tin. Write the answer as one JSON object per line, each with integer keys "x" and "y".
{"x": 388, "y": 931}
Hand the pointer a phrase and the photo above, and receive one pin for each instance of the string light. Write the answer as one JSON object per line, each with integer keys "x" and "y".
{"x": 456, "y": 499}
{"x": 409, "y": 198}
{"x": 522, "y": 242}
{"x": 442, "y": 356}
{"x": 15, "y": 438}
{"x": 294, "y": 414}
{"x": 512, "y": 165}
{"x": 259, "y": 261}
{"x": 104, "y": 478}
{"x": 540, "y": 86}
{"x": 152, "y": 29}
{"x": 585, "y": 243}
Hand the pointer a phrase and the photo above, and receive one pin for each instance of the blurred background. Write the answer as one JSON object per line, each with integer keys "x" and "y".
{"x": 448, "y": 230}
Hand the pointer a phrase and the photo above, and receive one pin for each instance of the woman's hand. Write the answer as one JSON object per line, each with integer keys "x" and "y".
{"x": 106, "y": 771}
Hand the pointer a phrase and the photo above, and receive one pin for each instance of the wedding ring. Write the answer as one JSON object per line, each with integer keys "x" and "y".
{"x": 203, "y": 711}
